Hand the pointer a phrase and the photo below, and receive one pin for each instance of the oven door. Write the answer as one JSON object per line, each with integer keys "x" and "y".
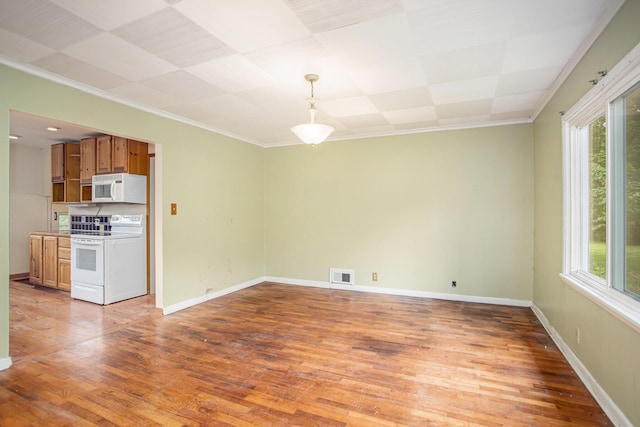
{"x": 87, "y": 261}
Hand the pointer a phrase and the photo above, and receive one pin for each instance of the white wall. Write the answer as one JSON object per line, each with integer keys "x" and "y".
{"x": 30, "y": 201}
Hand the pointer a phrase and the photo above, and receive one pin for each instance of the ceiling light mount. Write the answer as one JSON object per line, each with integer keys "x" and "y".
{"x": 312, "y": 133}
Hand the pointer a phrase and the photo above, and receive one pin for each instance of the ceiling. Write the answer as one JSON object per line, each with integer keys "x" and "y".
{"x": 237, "y": 66}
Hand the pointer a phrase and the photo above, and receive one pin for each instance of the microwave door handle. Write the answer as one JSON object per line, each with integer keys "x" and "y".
{"x": 113, "y": 184}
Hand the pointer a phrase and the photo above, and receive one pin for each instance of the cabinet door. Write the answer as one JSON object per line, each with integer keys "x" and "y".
{"x": 64, "y": 274}
{"x": 57, "y": 162}
{"x": 50, "y": 261}
{"x": 138, "y": 157}
{"x": 120, "y": 156}
{"x": 87, "y": 160}
{"x": 103, "y": 154}
{"x": 35, "y": 259}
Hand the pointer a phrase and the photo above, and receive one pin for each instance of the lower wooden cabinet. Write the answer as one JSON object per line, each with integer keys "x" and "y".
{"x": 64, "y": 263}
{"x": 50, "y": 260}
{"x": 35, "y": 259}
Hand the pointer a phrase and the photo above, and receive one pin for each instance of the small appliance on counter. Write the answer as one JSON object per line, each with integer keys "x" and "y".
{"x": 108, "y": 257}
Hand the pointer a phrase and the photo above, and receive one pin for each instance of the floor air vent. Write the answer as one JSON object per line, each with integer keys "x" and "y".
{"x": 340, "y": 276}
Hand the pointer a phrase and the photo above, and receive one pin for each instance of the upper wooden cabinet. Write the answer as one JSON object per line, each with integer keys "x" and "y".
{"x": 73, "y": 165}
{"x": 87, "y": 160}
{"x": 115, "y": 154}
{"x": 57, "y": 162}
{"x": 103, "y": 154}
{"x": 65, "y": 172}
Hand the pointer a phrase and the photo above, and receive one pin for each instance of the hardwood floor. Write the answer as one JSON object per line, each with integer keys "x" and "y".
{"x": 275, "y": 355}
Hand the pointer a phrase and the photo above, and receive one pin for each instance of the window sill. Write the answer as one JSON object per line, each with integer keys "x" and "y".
{"x": 616, "y": 303}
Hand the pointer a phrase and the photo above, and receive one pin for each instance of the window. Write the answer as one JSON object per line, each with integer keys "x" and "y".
{"x": 602, "y": 192}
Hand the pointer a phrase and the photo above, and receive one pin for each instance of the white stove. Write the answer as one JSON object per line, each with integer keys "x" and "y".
{"x": 109, "y": 260}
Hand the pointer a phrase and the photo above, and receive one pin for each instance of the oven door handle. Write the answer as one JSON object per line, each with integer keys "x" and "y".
{"x": 87, "y": 242}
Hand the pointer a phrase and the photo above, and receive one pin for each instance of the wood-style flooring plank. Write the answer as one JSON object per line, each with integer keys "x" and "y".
{"x": 282, "y": 355}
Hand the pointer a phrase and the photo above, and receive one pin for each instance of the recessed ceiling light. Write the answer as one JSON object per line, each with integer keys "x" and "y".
{"x": 53, "y": 128}
{"x": 14, "y": 136}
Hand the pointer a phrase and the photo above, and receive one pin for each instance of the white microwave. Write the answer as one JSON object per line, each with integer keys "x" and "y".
{"x": 119, "y": 188}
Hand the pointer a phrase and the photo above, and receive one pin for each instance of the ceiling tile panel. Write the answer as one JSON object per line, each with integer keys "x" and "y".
{"x": 111, "y": 14}
{"x": 465, "y": 90}
{"x": 464, "y": 64}
{"x": 458, "y": 24}
{"x": 401, "y": 99}
{"x": 548, "y": 49}
{"x": 181, "y": 42}
{"x": 144, "y": 95}
{"x": 534, "y": 17}
{"x": 182, "y": 85}
{"x": 232, "y": 74}
{"x": 245, "y": 25}
{"x": 371, "y": 42}
{"x": 402, "y": 73}
{"x": 521, "y": 102}
{"x": 527, "y": 81}
{"x": 349, "y": 106}
{"x": 481, "y": 107}
{"x": 364, "y": 121}
{"x": 411, "y": 115}
{"x": 327, "y": 15}
{"x": 119, "y": 57}
{"x": 44, "y": 22}
{"x": 21, "y": 48}
{"x": 79, "y": 71}
{"x": 468, "y": 121}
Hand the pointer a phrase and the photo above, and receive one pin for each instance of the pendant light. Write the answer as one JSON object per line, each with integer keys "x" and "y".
{"x": 312, "y": 133}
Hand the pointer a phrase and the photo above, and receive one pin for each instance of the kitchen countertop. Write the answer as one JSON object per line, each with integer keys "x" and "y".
{"x": 52, "y": 233}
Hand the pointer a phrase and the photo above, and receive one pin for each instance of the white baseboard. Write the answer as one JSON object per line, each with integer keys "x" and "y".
{"x": 402, "y": 292}
{"x": 5, "y": 363}
{"x": 211, "y": 295}
{"x": 614, "y": 413}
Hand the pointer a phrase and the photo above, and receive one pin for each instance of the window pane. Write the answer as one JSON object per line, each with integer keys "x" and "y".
{"x": 598, "y": 197}
{"x": 632, "y": 187}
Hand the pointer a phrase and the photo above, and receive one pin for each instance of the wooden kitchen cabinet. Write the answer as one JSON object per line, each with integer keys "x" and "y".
{"x": 130, "y": 156}
{"x": 35, "y": 259}
{"x": 65, "y": 172}
{"x": 57, "y": 162}
{"x": 87, "y": 167}
{"x": 50, "y": 261}
{"x": 103, "y": 154}
{"x": 115, "y": 154}
{"x": 64, "y": 263}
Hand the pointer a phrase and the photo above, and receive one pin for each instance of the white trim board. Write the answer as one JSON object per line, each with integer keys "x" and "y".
{"x": 5, "y": 363}
{"x": 614, "y": 413}
{"x": 211, "y": 295}
{"x": 318, "y": 284}
{"x": 401, "y": 292}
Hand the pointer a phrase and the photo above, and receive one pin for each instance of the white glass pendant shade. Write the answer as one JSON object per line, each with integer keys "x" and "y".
{"x": 312, "y": 133}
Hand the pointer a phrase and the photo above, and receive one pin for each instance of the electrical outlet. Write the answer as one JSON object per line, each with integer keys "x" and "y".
{"x": 454, "y": 283}
{"x": 577, "y": 335}
{"x": 374, "y": 277}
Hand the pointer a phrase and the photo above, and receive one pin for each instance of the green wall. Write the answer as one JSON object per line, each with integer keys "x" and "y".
{"x": 213, "y": 243}
{"x": 609, "y": 349}
{"x": 421, "y": 210}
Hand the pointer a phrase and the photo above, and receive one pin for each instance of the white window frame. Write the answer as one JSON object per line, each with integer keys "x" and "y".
{"x": 596, "y": 102}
